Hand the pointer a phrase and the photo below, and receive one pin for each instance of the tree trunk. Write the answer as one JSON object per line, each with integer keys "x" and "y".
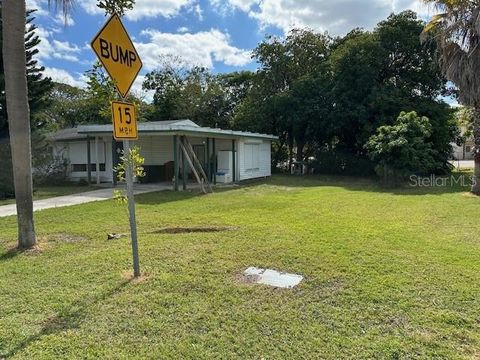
{"x": 300, "y": 147}
{"x": 476, "y": 134}
{"x": 16, "y": 91}
{"x": 290, "y": 153}
{"x": 277, "y": 156}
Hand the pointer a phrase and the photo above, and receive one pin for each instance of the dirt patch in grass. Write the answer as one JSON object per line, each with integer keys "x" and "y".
{"x": 241, "y": 278}
{"x": 36, "y": 250}
{"x": 184, "y": 230}
{"x": 43, "y": 243}
{"x": 61, "y": 237}
{"x": 55, "y": 323}
{"x": 14, "y": 251}
{"x": 128, "y": 276}
{"x": 247, "y": 279}
{"x": 470, "y": 195}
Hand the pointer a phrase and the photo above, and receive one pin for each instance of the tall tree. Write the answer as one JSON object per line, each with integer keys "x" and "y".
{"x": 16, "y": 92}
{"x": 381, "y": 73}
{"x": 182, "y": 91}
{"x": 71, "y": 106}
{"x": 38, "y": 85}
{"x": 283, "y": 99}
{"x": 457, "y": 33}
{"x": 39, "y": 101}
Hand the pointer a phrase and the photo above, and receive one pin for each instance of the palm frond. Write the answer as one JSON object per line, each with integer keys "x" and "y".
{"x": 66, "y": 7}
{"x": 456, "y": 30}
{"x": 432, "y": 25}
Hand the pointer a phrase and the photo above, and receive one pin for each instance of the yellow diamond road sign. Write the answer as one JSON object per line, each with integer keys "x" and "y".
{"x": 117, "y": 54}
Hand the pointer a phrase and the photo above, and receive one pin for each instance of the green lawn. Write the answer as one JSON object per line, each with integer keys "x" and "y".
{"x": 388, "y": 274}
{"x": 45, "y": 192}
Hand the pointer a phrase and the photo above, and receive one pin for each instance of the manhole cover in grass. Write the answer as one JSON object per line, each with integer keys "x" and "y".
{"x": 183, "y": 230}
{"x": 271, "y": 277}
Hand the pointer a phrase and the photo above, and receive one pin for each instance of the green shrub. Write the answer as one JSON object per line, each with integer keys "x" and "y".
{"x": 403, "y": 149}
{"x": 47, "y": 169}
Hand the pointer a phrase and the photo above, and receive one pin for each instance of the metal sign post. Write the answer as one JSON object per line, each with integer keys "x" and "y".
{"x": 131, "y": 209}
{"x": 118, "y": 55}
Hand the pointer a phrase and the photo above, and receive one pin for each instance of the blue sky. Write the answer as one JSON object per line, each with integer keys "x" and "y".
{"x": 213, "y": 33}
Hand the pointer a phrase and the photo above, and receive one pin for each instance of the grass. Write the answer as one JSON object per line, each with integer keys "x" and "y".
{"x": 388, "y": 275}
{"x": 45, "y": 192}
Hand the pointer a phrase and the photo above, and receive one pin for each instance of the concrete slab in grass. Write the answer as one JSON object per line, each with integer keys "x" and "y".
{"x": 273, "y": 278}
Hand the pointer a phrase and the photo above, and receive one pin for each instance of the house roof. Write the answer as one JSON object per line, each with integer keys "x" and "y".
{"x": 65, "y": 134}
{"x": 178, "y": 127}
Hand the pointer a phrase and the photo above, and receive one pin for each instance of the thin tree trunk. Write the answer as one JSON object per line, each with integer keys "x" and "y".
{"x": 290, "y": 153}
{"x": 300, "y": 147}
{"x": 476, "y": 134}
{"x": 300, "y": 156}
{"x": 276, "y": 159}
{"x": 14, "y": 60}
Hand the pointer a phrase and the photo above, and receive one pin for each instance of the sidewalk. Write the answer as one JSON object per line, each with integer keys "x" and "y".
{"x": 81, "y": 198}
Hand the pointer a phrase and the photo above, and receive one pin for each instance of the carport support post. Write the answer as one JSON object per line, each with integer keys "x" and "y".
{"x": 207, "y": 158}
{"x": 131, "y": 209}
{"x": 175, "y": 162}
{"x": 89, "y": 162}
{"x": 114, "y": 161}
{"x": 97, "y": 162}
{"x": 214, "y": 170}
{"x": 184, "y": 172}
{"x": 234, "y": 171}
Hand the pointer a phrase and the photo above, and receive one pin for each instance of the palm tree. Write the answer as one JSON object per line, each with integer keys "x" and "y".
{"x": 456, "y": 28}
{"x": 16, "y": 92}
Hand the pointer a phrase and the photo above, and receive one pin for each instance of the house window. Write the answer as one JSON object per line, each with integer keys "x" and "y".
{"x": 79, "y": 167}
{"x": 468, "y": 149}
{"x": 83, "y": 167}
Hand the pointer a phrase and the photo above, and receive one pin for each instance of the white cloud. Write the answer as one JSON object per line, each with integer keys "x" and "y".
{"x": 90, "y": 6}
{"x": 155, "y": 8}
{"x": 223, "y": 7}
{"x": 183, "y": 30}
{"x": 60, "y": 19}
{"x": 46, "y": 9}
{"x": 146, "y": 95}
{"x": 63, "y": 76}
{"x": 337, "y": 17}
{"x": 197, "y": 10}
{"x": 202, "y": 49}
{"x": 144, "y": 8}
{"x": 65, "y": 46}
{"x": 37, "y": 5}
{"x": 45, "y": 48}
{"x": 49, "y": 48}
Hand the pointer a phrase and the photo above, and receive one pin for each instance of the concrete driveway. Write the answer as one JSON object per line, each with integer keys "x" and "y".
{"x": 81, "y": 198}
{"x": 463, "y": 164}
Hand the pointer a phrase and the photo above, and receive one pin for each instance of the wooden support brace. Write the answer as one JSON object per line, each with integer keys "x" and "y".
{"x": 195, "y": 173}
{"x": 196, "y": 161}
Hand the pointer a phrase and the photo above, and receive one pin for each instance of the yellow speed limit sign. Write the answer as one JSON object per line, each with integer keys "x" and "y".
{"x": 124, "y": 121}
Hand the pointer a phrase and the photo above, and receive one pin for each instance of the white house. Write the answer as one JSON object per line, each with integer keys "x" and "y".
{"x": 466, "y": 150}
{"x": 225, "y": 155}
